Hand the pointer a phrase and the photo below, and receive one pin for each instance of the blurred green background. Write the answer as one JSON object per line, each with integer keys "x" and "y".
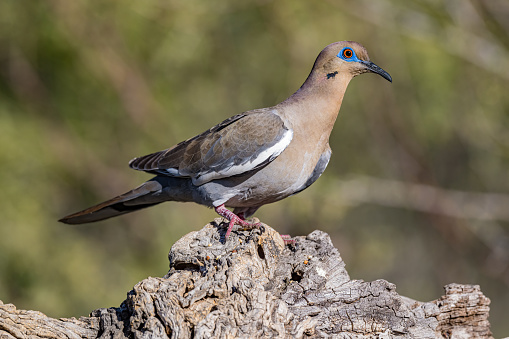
{"x": 417, "y": 191}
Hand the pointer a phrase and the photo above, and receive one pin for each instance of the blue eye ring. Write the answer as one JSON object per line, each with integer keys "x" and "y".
{"x": 347, "y": 54}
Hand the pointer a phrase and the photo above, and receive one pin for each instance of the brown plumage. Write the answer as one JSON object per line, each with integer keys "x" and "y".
{"x": 253, "y": 158}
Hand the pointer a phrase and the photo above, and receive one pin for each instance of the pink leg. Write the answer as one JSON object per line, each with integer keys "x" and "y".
{"x": 233, "y": 219}
{"x": 239, "y": 220}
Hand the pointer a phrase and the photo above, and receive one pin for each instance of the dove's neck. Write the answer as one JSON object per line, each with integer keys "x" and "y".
{"x": 317, "y": 102}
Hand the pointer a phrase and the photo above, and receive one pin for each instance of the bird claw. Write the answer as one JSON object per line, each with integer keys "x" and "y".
{"x": 287, "y": 239}
{"x": 242, "y": 223}
{"x": 235, "y": 219}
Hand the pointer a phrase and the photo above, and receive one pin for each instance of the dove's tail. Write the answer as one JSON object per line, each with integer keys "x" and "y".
{"x": 150, "y": 193}
{"x": 131, "y": 201}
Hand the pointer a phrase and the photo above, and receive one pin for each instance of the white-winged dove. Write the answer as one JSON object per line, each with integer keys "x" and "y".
{"x": 253, "y": 158}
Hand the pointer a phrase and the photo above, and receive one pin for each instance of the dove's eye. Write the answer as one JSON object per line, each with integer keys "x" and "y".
{"x": 347, "y": 53}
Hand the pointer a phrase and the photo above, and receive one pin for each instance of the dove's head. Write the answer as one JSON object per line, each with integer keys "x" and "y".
{"x": 346, "y": 59}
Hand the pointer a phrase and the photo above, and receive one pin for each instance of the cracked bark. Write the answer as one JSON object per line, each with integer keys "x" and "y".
{"x": 252, "y": 285}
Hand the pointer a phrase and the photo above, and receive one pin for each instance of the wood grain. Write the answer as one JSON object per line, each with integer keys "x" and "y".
{"x": 253, "y": 286}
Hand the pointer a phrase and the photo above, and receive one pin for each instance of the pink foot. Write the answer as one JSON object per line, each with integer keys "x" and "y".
{"x": 234, "y": 219}
{"x": 287, "y": 239}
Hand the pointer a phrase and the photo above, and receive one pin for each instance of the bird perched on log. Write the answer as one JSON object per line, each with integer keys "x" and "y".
{"x": 253, "y": 158}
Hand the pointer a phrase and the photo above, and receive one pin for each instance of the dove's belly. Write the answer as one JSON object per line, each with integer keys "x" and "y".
{"x": 278, "y": 180}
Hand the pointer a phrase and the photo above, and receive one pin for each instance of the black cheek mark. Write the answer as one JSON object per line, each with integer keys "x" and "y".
{"x": 332, "y": 75}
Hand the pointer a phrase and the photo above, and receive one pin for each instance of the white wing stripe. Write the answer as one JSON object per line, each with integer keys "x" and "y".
{"x": 269, "y": 153}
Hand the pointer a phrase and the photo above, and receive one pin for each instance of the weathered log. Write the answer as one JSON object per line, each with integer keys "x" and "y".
{"x": 252, "y": 285}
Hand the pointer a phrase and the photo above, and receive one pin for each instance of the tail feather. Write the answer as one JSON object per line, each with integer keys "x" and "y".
{"x": 136, "y": 199}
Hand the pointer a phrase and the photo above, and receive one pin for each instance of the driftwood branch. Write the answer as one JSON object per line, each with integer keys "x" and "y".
{"x": 252, "y": 285}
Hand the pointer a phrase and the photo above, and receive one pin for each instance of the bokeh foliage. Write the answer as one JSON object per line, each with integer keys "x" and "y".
{"x": 85, "y": 86}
